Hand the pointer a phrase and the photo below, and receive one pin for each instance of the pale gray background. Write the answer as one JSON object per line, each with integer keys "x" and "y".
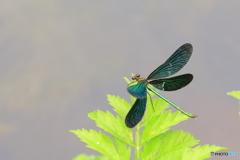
{"x": 59, "y": 60}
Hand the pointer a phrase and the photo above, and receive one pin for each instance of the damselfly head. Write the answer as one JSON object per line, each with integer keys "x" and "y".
{"x": 136, "y": 76}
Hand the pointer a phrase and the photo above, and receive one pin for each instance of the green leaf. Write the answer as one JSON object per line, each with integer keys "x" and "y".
{"x": 160, "y": 123}
{"x": 120, "y": 106}
{"x": 174, "y": 141}
{"x": 201, "y": 152}
{"x": 151, "y": 148}
{"x": 178, "y": 155}
{"x": 127, "y": 80}
{"x": 122, "y": 148}
{"x": 157, "y": 106}
{"x": 235, "y": 94}
{"x": 113, "y": 125}
{"x": 98, "y": 141}
{"x": 197, "y": 153}
{"x": 168, "y": 143}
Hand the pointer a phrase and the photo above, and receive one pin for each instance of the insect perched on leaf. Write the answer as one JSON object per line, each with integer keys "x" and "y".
{"x": 138, "y": 88}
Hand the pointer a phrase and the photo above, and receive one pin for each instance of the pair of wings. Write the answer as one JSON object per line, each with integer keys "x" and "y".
{"x": 139, "y": 90}
{"x": 171, "y": 66}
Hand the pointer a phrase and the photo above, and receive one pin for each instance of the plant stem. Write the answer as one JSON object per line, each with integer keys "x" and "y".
{"x": 137, "y": 141}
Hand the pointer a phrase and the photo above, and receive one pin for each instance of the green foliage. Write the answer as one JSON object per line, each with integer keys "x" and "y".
{"x": 235, "y": 94}
{"x": 151, "y": 140}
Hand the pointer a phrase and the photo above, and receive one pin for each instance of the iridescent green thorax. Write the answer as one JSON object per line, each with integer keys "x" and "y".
{"x": 138, "y": 88}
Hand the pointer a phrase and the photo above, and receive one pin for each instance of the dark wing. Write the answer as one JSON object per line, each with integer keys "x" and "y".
{"x": 136, "y": 113}
{"x": 174, "y": 63}
{"x": 138, "y": 90}
{"x": 173, "y": 83}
